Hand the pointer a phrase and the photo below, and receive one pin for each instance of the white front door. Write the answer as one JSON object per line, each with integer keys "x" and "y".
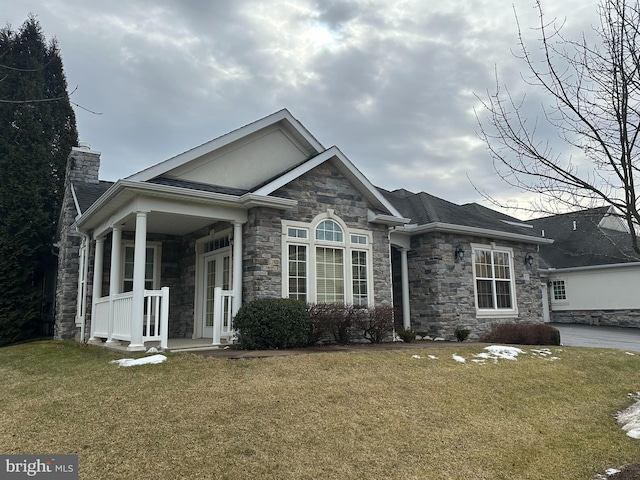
{"x": 216, "y": 273}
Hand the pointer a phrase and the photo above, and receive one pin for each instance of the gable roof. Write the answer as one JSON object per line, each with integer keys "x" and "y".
{"x": 87, "y": 193}
{"x": 282, "y": 117}
{"x": 585, "y": 243}
{"x": 429, "y": 211}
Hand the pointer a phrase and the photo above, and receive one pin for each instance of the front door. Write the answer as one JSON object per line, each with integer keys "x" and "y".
{"x": 217, "y": 273}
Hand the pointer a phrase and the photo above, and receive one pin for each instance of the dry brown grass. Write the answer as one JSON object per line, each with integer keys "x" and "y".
{"x": 368, "y": 415}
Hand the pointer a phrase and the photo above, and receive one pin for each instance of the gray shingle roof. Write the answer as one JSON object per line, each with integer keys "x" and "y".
{"x": 88, "y": 193}
{"x": 587, "y": 245}
{"x": 424, "y": 209}
{"x": 204, "y": 187}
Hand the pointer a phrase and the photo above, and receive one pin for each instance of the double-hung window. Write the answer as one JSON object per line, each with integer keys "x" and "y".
{"x": 559, "y": 290}
{"x": 151, "y": 266}
{"x": 494, "y": 281}
{"x": 327, "y": 262}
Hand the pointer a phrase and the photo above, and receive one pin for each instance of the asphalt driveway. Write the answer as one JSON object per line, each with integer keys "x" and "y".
{"x": 599, "y": 337}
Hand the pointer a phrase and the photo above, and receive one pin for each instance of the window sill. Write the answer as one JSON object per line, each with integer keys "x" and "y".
{"x": 496, "y": 313}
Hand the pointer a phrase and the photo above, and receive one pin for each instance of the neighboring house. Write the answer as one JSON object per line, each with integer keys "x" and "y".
{"x": 591, "y": 270}
{"x": 173, "y": 251}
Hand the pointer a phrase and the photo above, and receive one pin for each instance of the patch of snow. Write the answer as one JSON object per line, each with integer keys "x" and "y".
{"x": 543, "y": 352}
{"x": 458, "y": 358}
{"x": 416, "y": 356}
{"x": 432, "y": 357}
{"x": 438, "y": 339}
{"x": 612, "y": 471}
{"x": 629, "y": 420}
{"x": 501, "y": 351}
{"x": 553, "y": 359}
{"x": 427, "y": 337}
{"x": 132, "y": 362}
{"x": 629, "y": 353}
{"x": 153, "y": 350}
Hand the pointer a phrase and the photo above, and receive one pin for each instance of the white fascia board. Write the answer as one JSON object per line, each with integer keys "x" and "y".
{"x": 226, "y": 139}
{"x": 464, "y": 230}
{"x": 250, "y": 200}
{"x": 552, "y": 271}
{"x": 389, "y": 220}
{"x": 333, "y": 152}
{"x": 75, "y": 202}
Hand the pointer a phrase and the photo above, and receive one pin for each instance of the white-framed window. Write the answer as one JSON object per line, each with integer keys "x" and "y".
{"x": 153, "y": 255}
{"x": 558, "y": 290}
{"x": 494, "y": 283}
{"x": 327, "y": 262}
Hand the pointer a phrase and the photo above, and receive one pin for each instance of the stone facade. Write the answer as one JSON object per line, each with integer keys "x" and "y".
{"x": 316, "y": 191}
{"x": 442, "y": 291}
{"x": 82, "y": 167}
{"x": 605, "y": 318}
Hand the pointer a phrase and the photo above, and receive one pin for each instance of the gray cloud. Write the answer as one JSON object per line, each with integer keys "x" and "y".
{"x": 391, "y": 84}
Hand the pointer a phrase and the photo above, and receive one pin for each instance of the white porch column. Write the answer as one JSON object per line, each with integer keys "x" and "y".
{"x": 97, "y": 284}
{"x": 404, "y": 273}
{"x": 114, "y": 275}
{"x": 137, "y": 303}
{"x": 237, "y": 268}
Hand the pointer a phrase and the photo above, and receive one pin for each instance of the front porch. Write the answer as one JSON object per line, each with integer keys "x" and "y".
{"x": 113, "y": 322}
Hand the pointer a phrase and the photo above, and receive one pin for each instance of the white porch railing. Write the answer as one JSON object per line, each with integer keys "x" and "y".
{"x": 222, "y": 315}
{"x": 112, "y": 316}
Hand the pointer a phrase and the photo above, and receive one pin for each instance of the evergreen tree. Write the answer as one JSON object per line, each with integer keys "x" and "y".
{"x": 37, "y": 131}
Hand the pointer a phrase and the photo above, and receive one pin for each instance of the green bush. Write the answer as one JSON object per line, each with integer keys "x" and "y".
{"x": 407, "y": 335}
{"x": 522, "y": 334}
{"x": 269, "y": 323}
{"x": 462, "y": 334}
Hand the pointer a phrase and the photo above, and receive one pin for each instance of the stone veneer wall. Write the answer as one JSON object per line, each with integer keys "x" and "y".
{"x": 606, "y": 318}
{"x": 442, "y": 290}
{"x": 82, "y": 167}
{"x": 316, "y": 191}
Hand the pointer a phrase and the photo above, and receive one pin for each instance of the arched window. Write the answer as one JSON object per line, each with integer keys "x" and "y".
{"x": 332, "y": 265}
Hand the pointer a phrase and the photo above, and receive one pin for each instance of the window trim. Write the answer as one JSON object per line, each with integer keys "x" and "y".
{"x": 494, "y": 312}
{"x": 157, "y": 265}
{"x": 311, "y": 244}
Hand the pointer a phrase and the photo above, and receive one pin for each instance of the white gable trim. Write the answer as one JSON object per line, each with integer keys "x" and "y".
{"x": 224, "y": 140}
{"x": 333, "y": 153}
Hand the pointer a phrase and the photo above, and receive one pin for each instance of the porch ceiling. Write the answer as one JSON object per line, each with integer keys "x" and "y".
{"x": 169, "y": 223}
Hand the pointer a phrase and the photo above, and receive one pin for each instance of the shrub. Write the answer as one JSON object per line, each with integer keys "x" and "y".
{"x": 462, "y": 334}
{"x": 376, "y": 323}
{"x": 273, "y": 323}
{"x": 407, "y": 335}
{"x": 522, "y": 334}
{"x": 331, "y": 319}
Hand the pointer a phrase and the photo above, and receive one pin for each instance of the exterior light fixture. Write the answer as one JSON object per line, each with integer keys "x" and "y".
{"x": 528, "y": 259}
{"x": 459, "y": 254}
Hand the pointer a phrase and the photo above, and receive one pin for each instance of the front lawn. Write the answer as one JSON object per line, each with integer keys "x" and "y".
{"x": 368, "y": 415}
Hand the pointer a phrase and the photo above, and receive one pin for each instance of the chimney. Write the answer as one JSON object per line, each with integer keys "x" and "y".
{"x": 83, "y": 164}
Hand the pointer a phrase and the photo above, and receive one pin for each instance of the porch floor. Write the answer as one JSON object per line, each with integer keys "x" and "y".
{"x": 173, "y": 344}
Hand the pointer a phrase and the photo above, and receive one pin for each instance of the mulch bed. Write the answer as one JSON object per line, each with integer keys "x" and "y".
{"x": 630, "y": 472}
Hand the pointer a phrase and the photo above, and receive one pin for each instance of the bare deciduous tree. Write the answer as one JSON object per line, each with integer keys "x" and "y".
{"x": 593, "y": 88}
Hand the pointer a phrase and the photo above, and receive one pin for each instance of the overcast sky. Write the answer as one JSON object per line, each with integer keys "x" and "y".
{"x": 391, "y": 83}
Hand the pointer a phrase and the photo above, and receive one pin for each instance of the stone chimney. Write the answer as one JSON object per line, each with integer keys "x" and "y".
{"x": 83, "y": 164}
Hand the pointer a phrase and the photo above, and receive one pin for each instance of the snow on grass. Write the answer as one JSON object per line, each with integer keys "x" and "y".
{"x": 133, "y": 362}
{"x": 629, "y": 419}
{"x": 458, "y": 358}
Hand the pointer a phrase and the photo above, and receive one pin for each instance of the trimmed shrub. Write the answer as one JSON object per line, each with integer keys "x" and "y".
{"x": 407, "y": 335}
{"x": 269, "y": 323}
{"x": 522, "y": 334}
{"x": 376, "y": 323}
{"x": 462, "y": 334}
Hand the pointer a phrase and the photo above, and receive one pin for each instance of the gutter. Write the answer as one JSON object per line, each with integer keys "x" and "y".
{"x": 551, "y": 271}
{"x": 461, "y": 229}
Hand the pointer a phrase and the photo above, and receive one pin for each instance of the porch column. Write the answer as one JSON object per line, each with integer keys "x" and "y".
{"x": 237, "y": 268}
{"x": 97, "y": 284}
{"x": 404, "y": 273}
{"x": 114, "y": 275}
{"x": 137, "y": 303}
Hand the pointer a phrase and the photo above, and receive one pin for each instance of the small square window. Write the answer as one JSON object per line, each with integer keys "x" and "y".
{"x": 359, "y": 239}
{"x": 296, "y": 232}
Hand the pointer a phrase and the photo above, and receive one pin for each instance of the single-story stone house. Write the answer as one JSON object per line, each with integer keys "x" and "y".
{"x": 173, "y": 251}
